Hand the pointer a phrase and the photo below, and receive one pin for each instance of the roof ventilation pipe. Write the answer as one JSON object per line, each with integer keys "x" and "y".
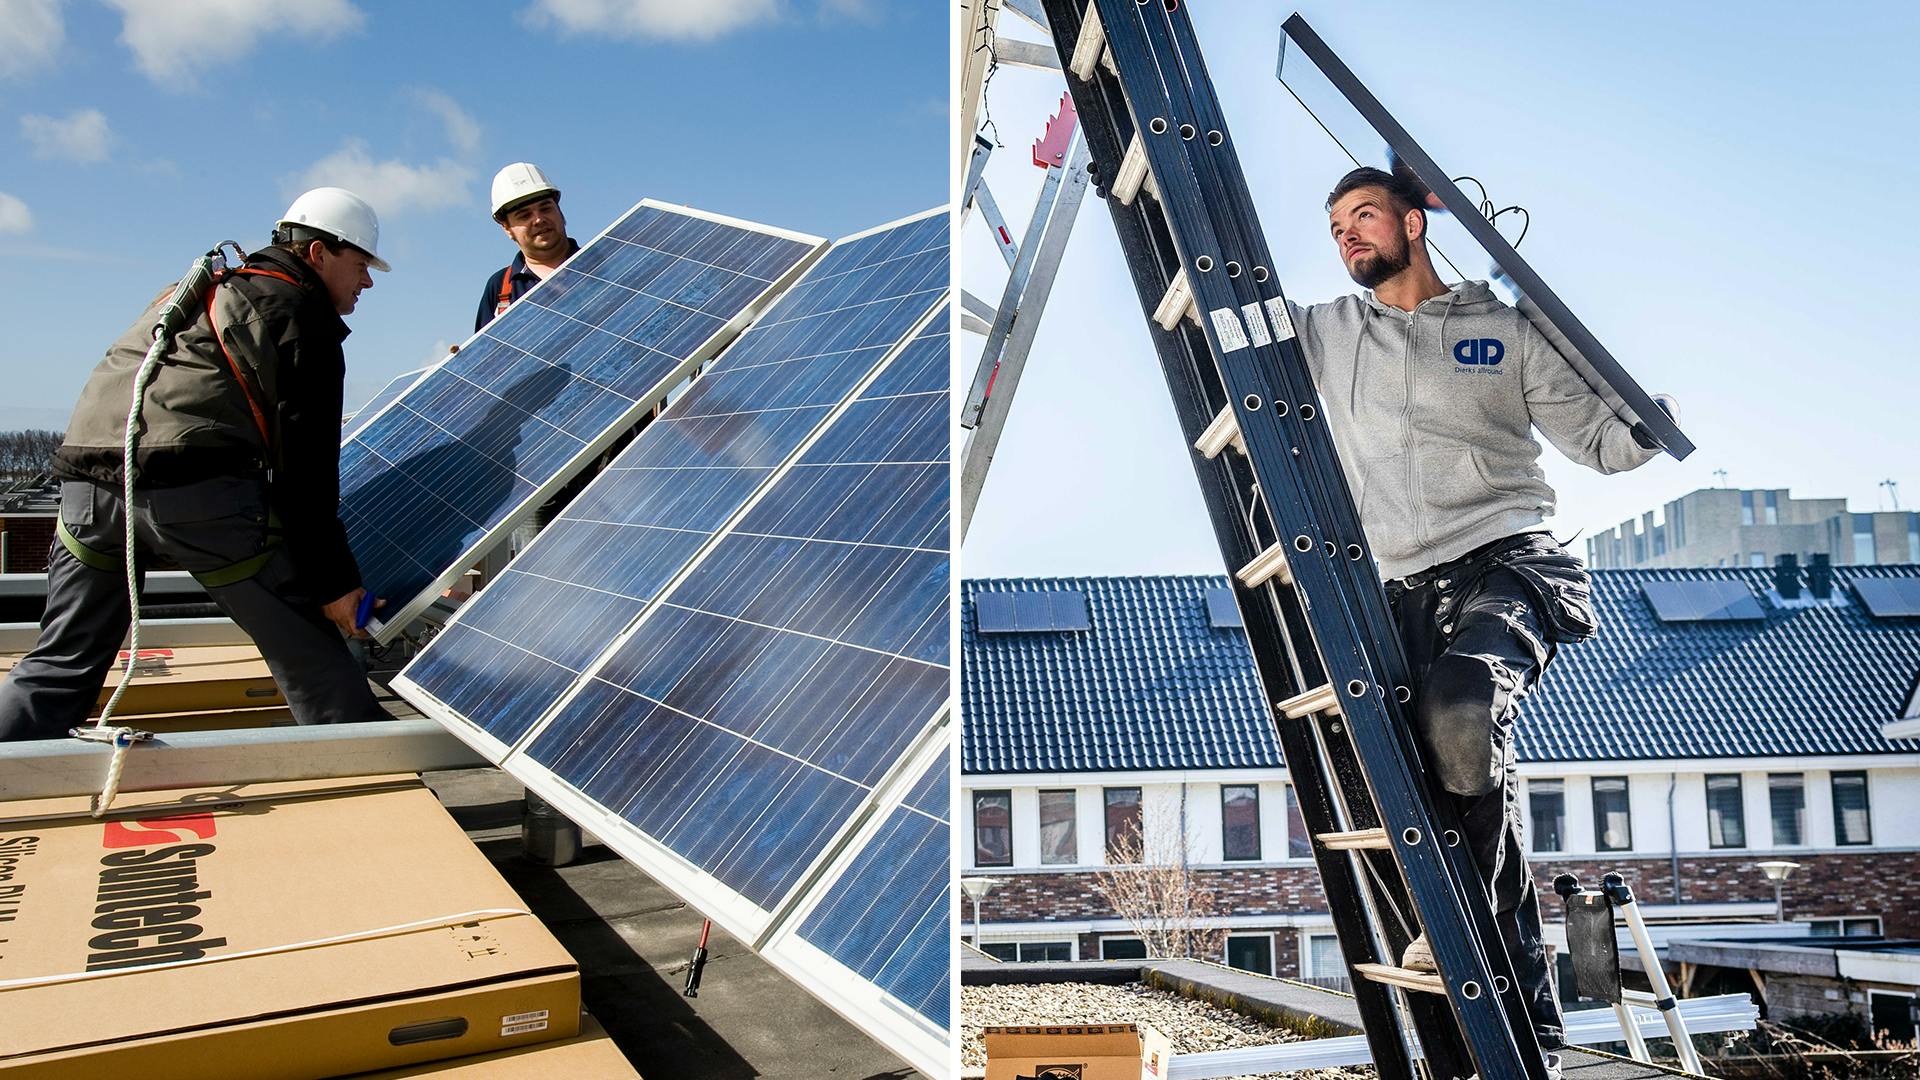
{"x": 1820, "y": 576}
{"x": 1786, "y": 576}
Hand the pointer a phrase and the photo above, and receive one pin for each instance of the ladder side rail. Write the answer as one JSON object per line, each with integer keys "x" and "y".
{"x": 1170, "y": 29}
{"x": 1449, "y": 916}
{"x": 1193, "y": 380}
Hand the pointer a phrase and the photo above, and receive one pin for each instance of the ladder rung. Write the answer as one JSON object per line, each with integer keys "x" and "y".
{"x": 1360, "y": 839}
{"x": 1404, "y": 978}
{"x": 1088, "y": 49}
{"x": 1318, "y": 699}
{"x": 1222, "y": 433}
{"x": 1133, "y": 175}
{"x": 1176, "y": 304}
{"x": 1271, "y": 563}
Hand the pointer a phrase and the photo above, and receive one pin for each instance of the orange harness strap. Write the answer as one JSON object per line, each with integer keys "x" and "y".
{"x": 505, "y": 299}
{"x": 259, "y": 417}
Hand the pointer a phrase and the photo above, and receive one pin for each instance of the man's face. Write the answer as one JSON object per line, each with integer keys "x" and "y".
{"x": 1372, "y": 238}
{"x": 345, "y": 273}
{"x": 539, "y": 228}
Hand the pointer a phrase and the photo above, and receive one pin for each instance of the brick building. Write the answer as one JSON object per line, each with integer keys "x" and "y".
{"x": 1754, "y": 527}
{"x": 28, "y": 512}
{"x": 1715, "y": 723}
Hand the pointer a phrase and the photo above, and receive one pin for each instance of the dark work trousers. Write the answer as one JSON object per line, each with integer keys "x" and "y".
{"x": 203, "y": 527}
{"x": 1475, "y": 641}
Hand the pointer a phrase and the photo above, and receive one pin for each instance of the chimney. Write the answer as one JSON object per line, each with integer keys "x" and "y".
{"x": 1820, "y": 576}
{"x": 1786, "y": 576}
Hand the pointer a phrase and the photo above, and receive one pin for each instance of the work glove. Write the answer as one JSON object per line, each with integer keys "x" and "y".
{"x": 1644, "y": 435}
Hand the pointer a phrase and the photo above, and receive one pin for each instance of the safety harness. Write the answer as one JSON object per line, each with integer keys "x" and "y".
{"x": 505, "y": 299}
{"x": 202, "y": 279}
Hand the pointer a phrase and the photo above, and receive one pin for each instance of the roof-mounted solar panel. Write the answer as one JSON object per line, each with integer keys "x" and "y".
{"x": 381, "y": 398}
{"x": 1889, "y": 598}
{"x": 1031, "y": 611}
{"x": 1223, "y": 611}
{"x": 728, "y": 656}
{"x": 467, "y": 451}
{"x": 1714, "y": 600}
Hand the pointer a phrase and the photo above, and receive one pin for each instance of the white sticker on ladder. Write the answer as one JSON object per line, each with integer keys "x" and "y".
{"x": 1256, "y": 323}
{"x": 1282, "y": 322}
{"x": 1226, "y": 326}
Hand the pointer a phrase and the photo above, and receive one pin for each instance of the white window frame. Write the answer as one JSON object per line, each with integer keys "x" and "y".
{"x": 1116, "y": 937}
{"x": 1306, "y": 954}
{"x": 1840, "y": 924}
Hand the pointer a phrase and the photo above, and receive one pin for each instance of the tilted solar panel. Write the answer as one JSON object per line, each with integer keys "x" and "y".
{"x": 1889, "y": 598}
{"x": 729, "y": 657}
{"x": 1710, "y": 600}
{"x": 530, "y": 635}
{"x": 381, "y": 399}
{"x": 481, "y": 440}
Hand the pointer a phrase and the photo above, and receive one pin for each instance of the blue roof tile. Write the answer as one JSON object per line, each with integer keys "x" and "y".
{"x": 1153, "y": 685}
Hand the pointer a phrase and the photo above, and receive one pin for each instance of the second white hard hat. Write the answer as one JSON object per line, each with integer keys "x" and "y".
{"x": 518, "y": 183}
{"x": 340, "y": 214}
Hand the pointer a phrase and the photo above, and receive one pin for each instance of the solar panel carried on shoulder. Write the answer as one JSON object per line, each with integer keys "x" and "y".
{"x": 471, "y": 449}
{"x": 728, "y": 657}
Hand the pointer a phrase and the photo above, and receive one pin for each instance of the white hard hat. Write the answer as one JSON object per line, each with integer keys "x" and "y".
{"x": 518, "y": 183}
{"x": 340, "y": 214}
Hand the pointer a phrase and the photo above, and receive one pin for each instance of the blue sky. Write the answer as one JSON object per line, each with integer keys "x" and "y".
{"x": 139, "y": 132}
{"x": 1719, "y": 191}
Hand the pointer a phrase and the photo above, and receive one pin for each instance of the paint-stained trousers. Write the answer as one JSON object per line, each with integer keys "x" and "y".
{"x": 1477, "y": 641}
{"x": 204, "y": 527}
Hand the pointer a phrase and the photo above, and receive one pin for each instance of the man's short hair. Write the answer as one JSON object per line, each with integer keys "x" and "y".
{"x": 1403, "y": 190}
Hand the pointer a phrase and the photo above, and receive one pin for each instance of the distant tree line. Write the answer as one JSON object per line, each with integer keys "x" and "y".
{"x": 26, "y": 454}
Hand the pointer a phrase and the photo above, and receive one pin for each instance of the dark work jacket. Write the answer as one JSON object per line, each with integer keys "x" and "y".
{"x": 523, "y": 279}
{"x": 196, "y": 422}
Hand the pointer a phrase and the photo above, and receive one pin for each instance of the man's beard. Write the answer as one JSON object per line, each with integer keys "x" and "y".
{"x": 1381, "y": 266}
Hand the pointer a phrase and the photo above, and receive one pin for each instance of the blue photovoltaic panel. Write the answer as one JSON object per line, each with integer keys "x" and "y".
{"x": 508, "y": 418}
{"x": 519, "y": 645}
{"x": 381, "y": 398}
{"x": 886, "y": 916}
{"x": 1030, "y": 612}
{"x": 758, "y": 707}
{"x": 1222, "y": 609}
{"x": 1713, "y": 600}
{"x": 1889, "y": 598}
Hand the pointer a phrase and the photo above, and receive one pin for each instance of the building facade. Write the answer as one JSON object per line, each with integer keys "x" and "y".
{"x": 1741, "y": 527}
{"x": 1678, "y": 751}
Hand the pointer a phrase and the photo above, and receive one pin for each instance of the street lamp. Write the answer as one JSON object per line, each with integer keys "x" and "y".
{"x": 1778, "y": 871}
{"x": 977, "y": 888}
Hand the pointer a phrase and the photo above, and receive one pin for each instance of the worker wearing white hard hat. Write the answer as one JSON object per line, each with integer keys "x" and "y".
{"x": 235, "y": 475}
{"x": 527, "y": 207}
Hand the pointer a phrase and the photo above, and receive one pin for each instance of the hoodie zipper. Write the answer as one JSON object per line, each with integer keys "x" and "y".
{"x": 1406, "y": 441}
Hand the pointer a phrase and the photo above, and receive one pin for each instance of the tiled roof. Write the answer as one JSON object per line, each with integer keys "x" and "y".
{"x": 1155, "y": 686}
{"x": 1152, "y": 686}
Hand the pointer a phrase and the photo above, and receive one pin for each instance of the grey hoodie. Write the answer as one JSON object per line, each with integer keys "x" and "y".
{"x": 1432, "y": 412}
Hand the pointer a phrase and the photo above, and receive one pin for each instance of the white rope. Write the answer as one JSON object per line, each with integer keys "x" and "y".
{"x": 270, "y": 950}
{"x": 123, "y": 738}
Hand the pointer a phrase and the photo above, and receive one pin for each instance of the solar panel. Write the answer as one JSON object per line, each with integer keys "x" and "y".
{"x": 728, "y": 656}
{"x": 1031, "y": 611}
{"x": 381, "y": 398}
{"x": 537, "y": 628}
{"x": 1716, "y": 600}
{"x": 1222, "y": 609}
{"x": 432, "y": 481}
{"x": 1889, "y": 598}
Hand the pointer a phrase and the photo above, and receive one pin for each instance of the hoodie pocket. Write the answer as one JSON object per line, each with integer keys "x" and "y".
{"x": 1505, "y": 485}
{"x": 1451, "y": 483}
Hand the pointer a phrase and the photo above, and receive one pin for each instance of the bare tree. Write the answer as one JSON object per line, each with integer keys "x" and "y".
{"x": 27, "y": 453}
{"x": 1148, "y": 883}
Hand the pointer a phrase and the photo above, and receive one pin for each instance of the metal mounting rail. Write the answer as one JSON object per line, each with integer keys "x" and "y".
{"x": 1324, "y": 642}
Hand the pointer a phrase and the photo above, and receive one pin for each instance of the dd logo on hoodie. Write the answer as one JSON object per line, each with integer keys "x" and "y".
{"x": 1480, "y": 352}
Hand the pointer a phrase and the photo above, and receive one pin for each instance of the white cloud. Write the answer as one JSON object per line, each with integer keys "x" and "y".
{"x": 393, "y": 187}
{"x": 673, "y": 20}
{"x": 14, "y": 216}
{"x": 30, "y": 33}
{"x": 858, "y": 10}
{"x": 463, "y": 131}
{"x": 173, "y": 42}
{"x": 82, "y": 136}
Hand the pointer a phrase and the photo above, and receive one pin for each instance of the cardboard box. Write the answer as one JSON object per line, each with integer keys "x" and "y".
{"x": 1077, "y": 1052}
{"x": 198, "y": 678}
{"x": 268, "y": 931}
{"x": 589, "y": 1055}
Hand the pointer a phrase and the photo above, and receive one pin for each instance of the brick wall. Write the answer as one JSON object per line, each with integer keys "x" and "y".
{"x": 1873, "y": 882}
{"x": 28, "y": 540}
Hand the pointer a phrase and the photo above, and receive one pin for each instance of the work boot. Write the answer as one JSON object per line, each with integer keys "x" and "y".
{"x": 1419, "y": 956}
{"x": 1553, "y": 1065}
